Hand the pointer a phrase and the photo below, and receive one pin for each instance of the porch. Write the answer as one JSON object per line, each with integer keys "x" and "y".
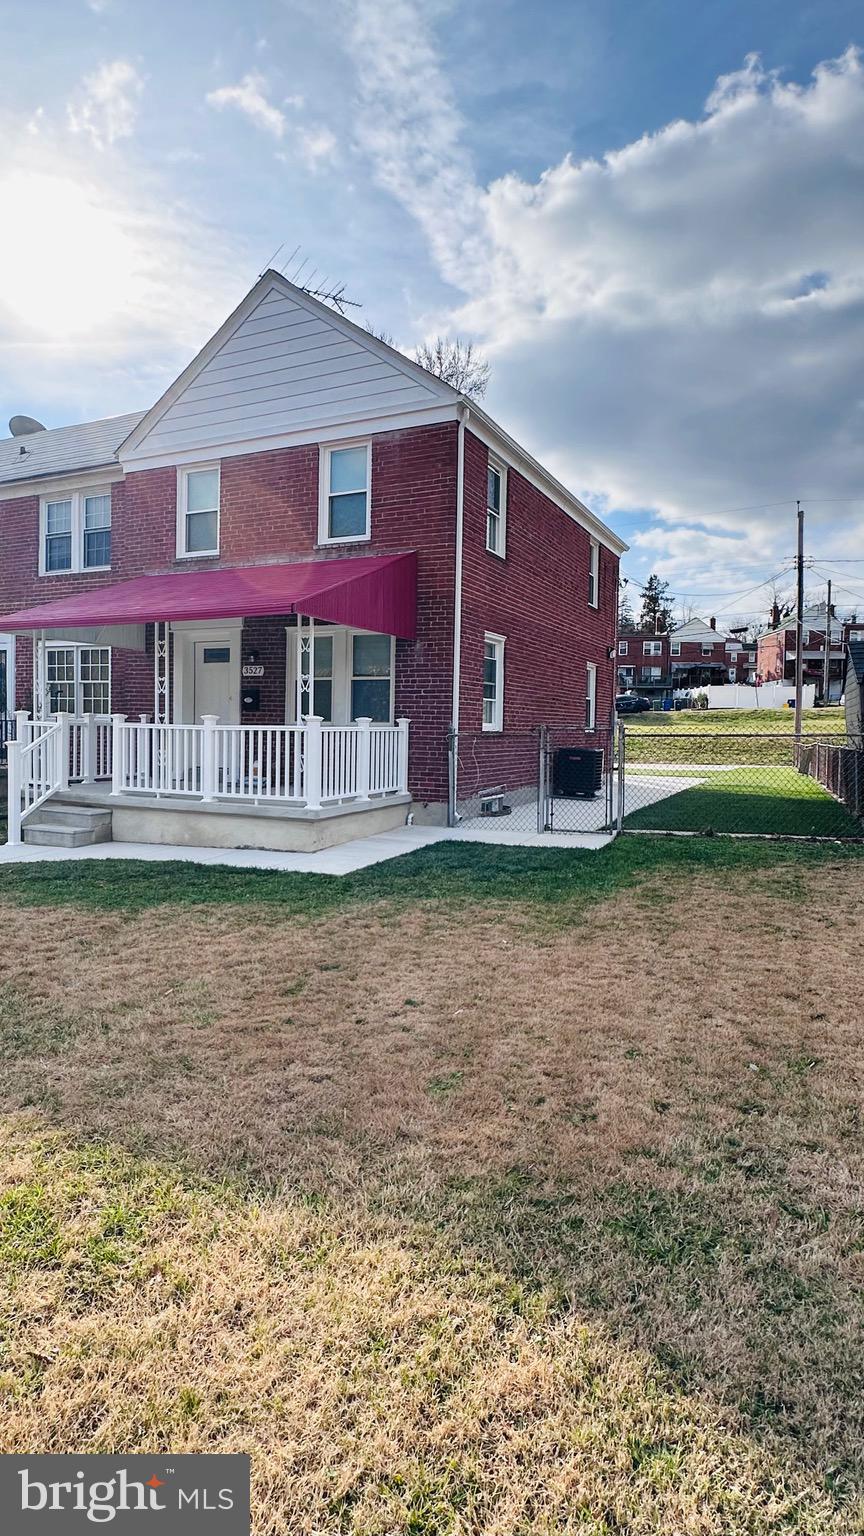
{"x": 206, "y": 769}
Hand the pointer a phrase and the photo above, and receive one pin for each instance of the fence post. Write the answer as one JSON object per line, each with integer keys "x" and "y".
{"x": 23, "y": 728}
{"x": 312, "y": 762}
{"x": 88, "y": 749}
{"x": 541, "y": 779}
{"x": 117, "y": 724}
{"x": 62, "y": 769}
{"x": 619, "y": 813}
{"x": 13, "y": 774}
{"x": 364, "y": 755}
{"x": 404, "y": 726}
{"x": 208, "y": 756}
{"x": 452, "y": 760}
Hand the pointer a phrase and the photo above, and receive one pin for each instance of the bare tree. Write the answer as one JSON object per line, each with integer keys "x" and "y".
{"x": 380, "y": 334}
{"x": 457, "y": 362}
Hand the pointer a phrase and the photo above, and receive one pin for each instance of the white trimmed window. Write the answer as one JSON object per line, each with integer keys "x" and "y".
{"x": 75, "y": 532}
{"x": 78, "y": 679}
{"x": 652, "y": 647}
{"x": 590, "y": 696}
{"x": 198, "y": 511}
{"x": 496, "y": 508}
{"x": 675, "y": 647}
{"x": 345, "y": 479}
{"x": 707, "y": 648}
{"x": 594, "y": 574}
{"x": 626, "y": 675}
{"x": 371, "y": 677}
{"x": 493, "y": 682}
{"x": 623, "y": 647}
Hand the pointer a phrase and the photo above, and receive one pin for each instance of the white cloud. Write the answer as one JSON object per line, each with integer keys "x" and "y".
{"x": 677, "y": 325}
{"x": 317, "y": 146}
{"x": 249, "y": 98}
{"x": 106, "y": 105}
{"x": 107, "y": 289}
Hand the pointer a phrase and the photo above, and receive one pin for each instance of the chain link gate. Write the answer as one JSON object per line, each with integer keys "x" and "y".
{"x": 546, "y": 778}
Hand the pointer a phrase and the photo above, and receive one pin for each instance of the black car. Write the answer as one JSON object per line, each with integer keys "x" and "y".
{"x": 631, "y": 704}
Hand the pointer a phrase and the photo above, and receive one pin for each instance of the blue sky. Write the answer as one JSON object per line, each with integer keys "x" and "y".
{"x": 648, "y": 214}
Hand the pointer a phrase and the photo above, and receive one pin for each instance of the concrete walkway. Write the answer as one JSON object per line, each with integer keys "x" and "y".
{"x": 344, "y": 860}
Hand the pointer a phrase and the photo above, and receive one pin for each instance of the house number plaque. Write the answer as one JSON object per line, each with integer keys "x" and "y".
{"x": 253, "y": 671}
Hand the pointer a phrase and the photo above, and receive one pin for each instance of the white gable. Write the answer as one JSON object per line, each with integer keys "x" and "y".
{"x": 282, "y": 363}
{"x": 696, "y": 629}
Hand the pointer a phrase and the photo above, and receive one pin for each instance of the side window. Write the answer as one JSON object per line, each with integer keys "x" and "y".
{"x": 493, "y": 682}
{"x": 58, "y": 535}
{"x": 97, "y": 531}
{"x": 594, "y": 574}
{"x": 345, "y": 493}
{"x": 496, "y": 508}
{"x": 590, "y": 696}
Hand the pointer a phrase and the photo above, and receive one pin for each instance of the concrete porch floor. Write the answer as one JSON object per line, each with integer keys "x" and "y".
{"x": 344, "y": 859}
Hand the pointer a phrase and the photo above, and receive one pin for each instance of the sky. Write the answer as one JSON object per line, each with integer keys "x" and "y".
{"x": 647, "y": 213}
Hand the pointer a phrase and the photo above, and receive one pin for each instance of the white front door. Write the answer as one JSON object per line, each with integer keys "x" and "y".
{"x": 215, "y": 686}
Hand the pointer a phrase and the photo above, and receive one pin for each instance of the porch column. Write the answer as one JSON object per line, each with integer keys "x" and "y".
{"x": 312, "y": 762}
{"x": 161, "y": 668}
{"x": 404, "y": 726}
{"x": 305, "y": 666}
{"x": 40, "y": 686}
{"x": 117, "y": 764}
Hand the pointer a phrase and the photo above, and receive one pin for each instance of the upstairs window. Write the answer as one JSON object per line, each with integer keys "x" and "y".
{"x": 594, "y": 574}
{"x": 493, "y": 682}
{"x": 76, "y": 533}
{"x": 707, "y": 648}
{"x": 652, "y": 647}
{"x": 346, "y": 476}
{"x": 496, "y": 508}
{"x": 198, "y": 512}
{"x": 623, "y": 647}
{"x": 675, "y": 647}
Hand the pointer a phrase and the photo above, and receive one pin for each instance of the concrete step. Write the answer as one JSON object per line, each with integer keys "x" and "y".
{"x": 41, "y": 836}
{"x": 67, "y": 827}
{"x": 81, "y": 817}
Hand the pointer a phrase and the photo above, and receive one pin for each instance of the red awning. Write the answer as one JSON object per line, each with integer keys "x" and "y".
{"x": 377, "y": 592}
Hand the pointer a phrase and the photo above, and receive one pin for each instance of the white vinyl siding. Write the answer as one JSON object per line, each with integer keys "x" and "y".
{"x": 345, "y": 481}
{"x": 285, "y": 369}
{"x": 75, "y": 532}
{"x": 590, "y": 696}
{"x": 198, "y": 492}
{"x": 493, "y": 682}
{"x": 496, "y": 508}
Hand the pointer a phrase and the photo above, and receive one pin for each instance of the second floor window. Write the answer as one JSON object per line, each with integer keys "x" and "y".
{"x": 594, "y": 575}
{"x": 590, "y": 696}
{"x": 652, "y": 647}
{"x": 496, "y": 508}
{"x": 76, "y": 532}
{"x": 198, "y": 511}
{"x": 623, "y": 647}
{"x": 346, "y": 475}
{"x": 675, "y": 647}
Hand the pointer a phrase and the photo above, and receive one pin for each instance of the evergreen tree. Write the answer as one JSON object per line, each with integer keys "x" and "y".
{"x": 656, "y": 612}
{"x": 625, "y": 609}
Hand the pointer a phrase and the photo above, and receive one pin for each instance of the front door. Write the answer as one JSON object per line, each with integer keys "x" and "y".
{"x": 215, "y": 689}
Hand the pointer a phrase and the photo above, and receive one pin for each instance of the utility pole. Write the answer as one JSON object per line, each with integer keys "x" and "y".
{"x": 826, "y": 671}
{"x": 799, "y": 626}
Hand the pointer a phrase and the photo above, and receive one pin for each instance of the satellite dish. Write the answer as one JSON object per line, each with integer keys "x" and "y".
{"x": 22, "y": 426}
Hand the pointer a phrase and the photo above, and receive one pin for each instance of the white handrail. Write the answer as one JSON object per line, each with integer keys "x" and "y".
{"x": 36, "y": 769}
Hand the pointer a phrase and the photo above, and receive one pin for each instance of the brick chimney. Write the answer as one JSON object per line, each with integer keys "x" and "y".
{"x": 775, "y": 615}
{"x": 713, "y": 622}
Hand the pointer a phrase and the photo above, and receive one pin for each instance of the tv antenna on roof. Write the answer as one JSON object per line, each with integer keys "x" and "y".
{"x": 322, "y": 289}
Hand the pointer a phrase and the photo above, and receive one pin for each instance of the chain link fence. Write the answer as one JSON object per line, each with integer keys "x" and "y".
{"x": 541, "y": 779}
{"x": 726, "y": 782}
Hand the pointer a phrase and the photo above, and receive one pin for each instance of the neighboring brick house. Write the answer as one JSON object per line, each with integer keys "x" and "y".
{"x": 776, "y": 651}
{"x": 643, "y": 662}
{"x": 307, "y": 524}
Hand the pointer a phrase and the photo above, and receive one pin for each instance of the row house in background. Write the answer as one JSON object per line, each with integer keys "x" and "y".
{"x": 691, "y": 656}
{"x": 293, "y": 576}
{"x": 777, "y": 650}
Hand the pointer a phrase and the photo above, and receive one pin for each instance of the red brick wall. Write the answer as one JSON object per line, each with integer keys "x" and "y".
{"x": 537, "y": 597}
{"x": 770, "y": 658}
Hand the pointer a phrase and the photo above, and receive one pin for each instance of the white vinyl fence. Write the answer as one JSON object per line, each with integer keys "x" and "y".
{"x": 767, "y": 696}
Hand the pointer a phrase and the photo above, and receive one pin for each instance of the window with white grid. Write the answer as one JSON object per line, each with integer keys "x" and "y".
{"x": 75, "y": 532}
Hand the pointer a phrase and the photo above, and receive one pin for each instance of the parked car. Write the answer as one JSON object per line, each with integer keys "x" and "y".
{"x": 631, "y": 704}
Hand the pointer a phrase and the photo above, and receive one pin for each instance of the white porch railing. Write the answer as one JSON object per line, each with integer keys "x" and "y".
{"x": 311, "y": 765}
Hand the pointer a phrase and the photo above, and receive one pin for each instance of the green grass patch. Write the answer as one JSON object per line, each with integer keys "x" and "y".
{"x": 775, "y": 801}
{"x": 780, "y": 722}
{"x": 450, "y": 873}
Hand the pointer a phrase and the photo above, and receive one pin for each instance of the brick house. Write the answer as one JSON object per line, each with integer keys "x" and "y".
{"x": 776, "y": 651}
{"x": 643, "y": 662}
{"x": 293, "y": 576}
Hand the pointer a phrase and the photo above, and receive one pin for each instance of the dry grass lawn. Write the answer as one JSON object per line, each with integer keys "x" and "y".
{"x": 459, "y": 1222}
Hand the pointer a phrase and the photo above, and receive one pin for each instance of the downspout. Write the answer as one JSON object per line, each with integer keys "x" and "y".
{"x": 464, "y": 413}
